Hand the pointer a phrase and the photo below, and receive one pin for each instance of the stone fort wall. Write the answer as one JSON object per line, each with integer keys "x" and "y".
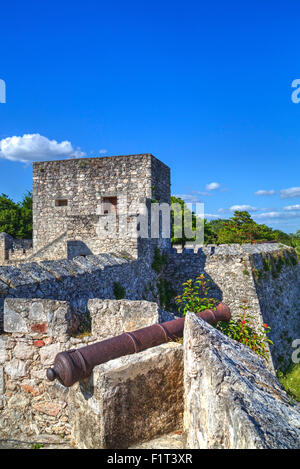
{"x": 264, "y": 277}
{"x": 35, "y": 331}
{"x": 45, "y": 302}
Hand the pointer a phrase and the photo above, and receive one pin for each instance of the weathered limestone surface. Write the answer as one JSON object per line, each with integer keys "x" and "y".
{"x": 171, "y": 440}
{"x": 232, "y": 401}
{"x": 83, "y": 184}
{"x": 35, "y": 331}
{"x": 113, "y": 317}
{"x": 79, "y": 279}
{"x": 264, "y": 277}
{"x": 14, "y": 250}
{"x": 130, "y": 399}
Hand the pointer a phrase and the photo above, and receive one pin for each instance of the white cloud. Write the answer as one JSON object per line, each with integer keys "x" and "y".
{"x": 247, "y": 208}
{"x": 290, "y": 193}
{"x": 292, "y": 207}
{"x": 263, "y": 192}
{"x": 102, "y": 151}
{"x": 188, "y": 198}
{"x": 201, "y": 193}
{"x": 224, "y": 210}
{"x": 212, "y": 186}
{"x": 211, "y": 215}
{"x": 278, "y": 215}
{"x": 269, "y": 209}
{"x": 35, "y": 147}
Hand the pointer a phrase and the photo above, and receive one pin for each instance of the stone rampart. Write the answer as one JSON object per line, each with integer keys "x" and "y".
{"x": 264, "y": 277}
{"x": 36, "y": 330}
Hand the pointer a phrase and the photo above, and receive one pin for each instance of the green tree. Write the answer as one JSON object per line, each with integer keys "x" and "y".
{"x": 16, "y": 218}
{"x": 241, "y": 228}
{"x": 209, "y": 234}
{"x": 25, "y": 230}
{"x": 179, "y": 213}
{"x": 217, "y": 224}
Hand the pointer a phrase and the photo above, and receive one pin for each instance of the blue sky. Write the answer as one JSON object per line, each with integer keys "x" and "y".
{"x": 204, "y": 86}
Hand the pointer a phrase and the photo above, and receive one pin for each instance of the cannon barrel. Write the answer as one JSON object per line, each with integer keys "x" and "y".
{"x": 77, "y": 364}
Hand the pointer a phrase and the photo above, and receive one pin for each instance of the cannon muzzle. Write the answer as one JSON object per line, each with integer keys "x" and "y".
{"x": 76, "y": 365}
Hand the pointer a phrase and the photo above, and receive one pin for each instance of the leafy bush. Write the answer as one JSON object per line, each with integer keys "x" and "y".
{"x": 242, "y": 330}
{"x": 194, "y": 299}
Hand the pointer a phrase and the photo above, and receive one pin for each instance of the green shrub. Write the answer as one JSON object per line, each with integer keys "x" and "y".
{"x": 166, "y": 293}
{"x": 159, "y": 260}
{"x": 242, "y": 330}
{"x": 194, "y": 297}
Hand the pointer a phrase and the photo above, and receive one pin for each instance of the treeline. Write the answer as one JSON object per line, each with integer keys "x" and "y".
{"x": 241, "y": 228}
{"x": 16, "y": 220}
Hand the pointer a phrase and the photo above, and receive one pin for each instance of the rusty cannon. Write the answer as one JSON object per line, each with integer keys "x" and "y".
{"x": 77, "y": 364}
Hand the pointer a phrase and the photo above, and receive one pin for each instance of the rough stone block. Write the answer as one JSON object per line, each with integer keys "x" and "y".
{"x": 13, "y": 321}
{"x": 37, "y": 316}
{"x": 232, "y": 401}
{"x": 48, "y": 408}
{"x": 23, "y": 351}
{"x": 36, "y": 271}
{"x": 113, "y": 317}
{"x": 130, "y": 399}
{"x": 15, "y": 278}
{"x": 56, "y": 269}
{"x": 37, "y": 313}
{"x": 16, "y": 369}
{"x": 48, "y": 353}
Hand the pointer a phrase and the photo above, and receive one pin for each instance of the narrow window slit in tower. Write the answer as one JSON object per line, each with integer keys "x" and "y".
{"x": 109, "y": 205}
{"x": 61, "y": 203}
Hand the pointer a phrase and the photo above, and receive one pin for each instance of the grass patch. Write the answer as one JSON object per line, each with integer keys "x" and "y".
{"x": 290, "y": 380}
{"x": 37, "y": 446}
{"x": 82, "y": 335}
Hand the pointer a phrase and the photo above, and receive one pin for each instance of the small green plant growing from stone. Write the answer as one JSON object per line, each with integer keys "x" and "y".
{"x": 159, "y": 260}
{"x": 194, "y": 296}
{"x": 166, "y": 293}
{"x": 119, "y": 291}
{"x": 36, "y": 446}
{"x": 242, "y": 330}
{"x": 82, "y": 164}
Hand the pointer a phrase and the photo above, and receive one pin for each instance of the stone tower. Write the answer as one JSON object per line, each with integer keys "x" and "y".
{"x": 74, "y": 199}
